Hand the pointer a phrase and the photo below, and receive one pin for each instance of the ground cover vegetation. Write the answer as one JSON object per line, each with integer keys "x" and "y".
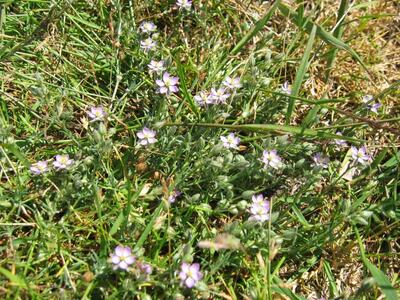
{"x": 199, "y": 149}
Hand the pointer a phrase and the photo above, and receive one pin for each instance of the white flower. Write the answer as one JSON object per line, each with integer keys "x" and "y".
{"x": 286, "y": 88}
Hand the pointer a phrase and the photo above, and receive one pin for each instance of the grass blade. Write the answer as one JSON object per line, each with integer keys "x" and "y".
{"x": 149, "y": 226}
{"x": 257, "y": 27}
{"x": 283, "y": 129}
{"x": 337, "y": 33}
{"x": 17, "y": 152}
{"x": 14, "y": 279}
{"x": 332, "y": 285}
{"x": 382, "y": 281}
{"x": 300, "y": 73}
{"x": 321, "y": 33}
{"x": 186, "y": 95}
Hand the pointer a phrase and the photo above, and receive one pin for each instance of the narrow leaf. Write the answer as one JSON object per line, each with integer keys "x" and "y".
{"x": 17, "y": 153}
{"x": 257, "y": 27}
{"x": 321, "y": 33}
{"x": 382, "y": 280}
{"x": 14, "y": 279}
{"x": 117, "y": 223}
{"x": 300, "y": 73}
{"x": 332, "y": 285}
{"x": 284, "y": 129}
{"x": 149, "y": 226}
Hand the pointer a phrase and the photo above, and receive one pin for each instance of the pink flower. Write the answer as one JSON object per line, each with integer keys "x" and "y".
{"x": 219, "y": 96}
{"x": 185, "y": 4}
{"x": 168, "y": 84}
{"x": 39, "y": 167}
{"x": 230, "y": 141}
{"x": 148, "y": 27}
{"x": 340, "y": 142}
{"x": 259, "y": 209}
{"x": 62, "y": 161}
{"x": 156, "y": 66}
{"x": 146, "y": 136}
{"x": 96, "y": 113}
{"x": 172, "y": 197}
{"x": 271, "y": 159}
{"x": 190, "y": 274}
{"x": 360, "y": 155}
{"x": 122, "y": 258}
{"x": 145, "y": 268}
{"x": 203, "y": 98}
{"x": 148, "y": 44}
{"x": 374, "y": 107}
{"x": 232, "y": 83}
{"x": 367, "y": 99}
{"x": 320, "y": 160}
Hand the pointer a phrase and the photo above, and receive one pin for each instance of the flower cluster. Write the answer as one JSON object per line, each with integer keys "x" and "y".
{"x": 61, "y": 162}
{"x": 259, "y": 209}
{"x": 122, "y": 258}
{"x": 148, "y": 43}
{"x": 218, "y": 95}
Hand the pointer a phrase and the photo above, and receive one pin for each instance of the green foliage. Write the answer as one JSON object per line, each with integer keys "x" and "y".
{"x": 58, "y": 229}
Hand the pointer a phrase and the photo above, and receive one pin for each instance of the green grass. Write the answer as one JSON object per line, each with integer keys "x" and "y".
{"x": 328, "y": 235}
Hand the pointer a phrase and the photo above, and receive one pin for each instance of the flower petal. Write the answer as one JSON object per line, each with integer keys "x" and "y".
{"x": 190, "y": 282}
{"x": 115, "y": 259}
{"x": 119, "y": 250}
